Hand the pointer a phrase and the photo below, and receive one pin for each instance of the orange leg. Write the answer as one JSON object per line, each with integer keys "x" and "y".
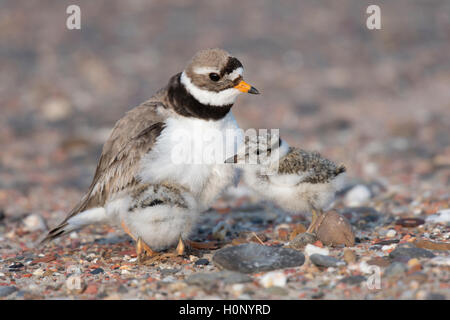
{"x": 141, "y": 247}
{"x": 181, "y": 248}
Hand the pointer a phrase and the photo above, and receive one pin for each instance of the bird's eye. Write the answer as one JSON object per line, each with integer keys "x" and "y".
{"x": 214, "y": 77}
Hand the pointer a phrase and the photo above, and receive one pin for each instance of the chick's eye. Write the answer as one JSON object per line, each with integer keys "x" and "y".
{"x": 214, "y": 76}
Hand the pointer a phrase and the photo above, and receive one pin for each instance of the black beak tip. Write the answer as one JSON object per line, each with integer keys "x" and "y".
{"x": 253, "y": 90}
{"x": 232, "y": 159}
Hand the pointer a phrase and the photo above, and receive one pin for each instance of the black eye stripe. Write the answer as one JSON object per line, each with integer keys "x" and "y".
{"x": 232, "y": 64}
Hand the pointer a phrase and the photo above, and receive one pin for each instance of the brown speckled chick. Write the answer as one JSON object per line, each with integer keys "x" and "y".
{"x": 294, "y": 179}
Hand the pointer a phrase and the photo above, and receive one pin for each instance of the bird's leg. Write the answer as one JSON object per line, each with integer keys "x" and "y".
{"x": 181, "y": 248}
{"x": 142, "y": 248}
{"x": 313, "y": 221}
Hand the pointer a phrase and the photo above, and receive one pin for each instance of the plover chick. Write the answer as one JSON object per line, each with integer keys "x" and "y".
{"x": 142, "y": 156}
{"x": 294, "y": 179}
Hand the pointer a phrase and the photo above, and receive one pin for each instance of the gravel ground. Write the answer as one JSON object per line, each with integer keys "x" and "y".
{"x": 377, "y": 101}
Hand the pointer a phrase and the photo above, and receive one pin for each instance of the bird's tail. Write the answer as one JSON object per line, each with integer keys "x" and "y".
{"x": 75, "y": 222}
{"x": 62, "y": 229}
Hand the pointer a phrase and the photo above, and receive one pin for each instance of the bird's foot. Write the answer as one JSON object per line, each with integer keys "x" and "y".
{"x": 143, "y": 250}
{"x": 315, "y": 221}
{"x": 181, "y": 248}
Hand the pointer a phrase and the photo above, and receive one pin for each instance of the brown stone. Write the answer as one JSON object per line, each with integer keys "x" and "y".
{"x": 427, "y": 244}
{"x": 349, "y": 256}
{"x": 379, "y": 261}
{"x": 297, "y": 230}
{"x": 410, "y": 222}
{"x": 334, "y": 229}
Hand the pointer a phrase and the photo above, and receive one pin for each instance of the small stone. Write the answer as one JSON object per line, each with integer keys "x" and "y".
{"x": 325, "y": 261}
{"x": 441, "y": 261}
{"x": 38, "y": 272}
{"x": 56, "y": 109}
{"x": 435, "y": 296}
{"x": 442, "y": 216}
{"x": 407, "y": 251}
{"x": 410, "y": 222}
{"x": 420, "y": 277}
{"x": 353, "y": 279}
{"x": 91, "y": 289}
{"x": 379, "y": 261}
{"x": 202, "y": 262}
{"x": 413, "y": 262}
{"x": 391, "y": 233}
{"x": 349, "y": 256}
{"x": 6, "y": 291}
{"x": 334, "y": 229}
{"x": 274, "y": 278}
{"x": 252, "y": 257}
{"x": 299, "y": 229}
{"x": 395, "y": 269}
{"x": 208, "y": 279}
{"x": 34, "y": 222}
{"x": 312, "y": 249}
{"x": 97, "y": 271}
{"x": 16, "y": 266}
{"x": 301, "y": 240}
{"x": 276, "y": 291}
{"x": 427, "y": 244}
{"x": 357, "y": 196}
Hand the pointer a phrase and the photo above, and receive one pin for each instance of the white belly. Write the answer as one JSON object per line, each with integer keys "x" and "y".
{"x": 191, "y": 151}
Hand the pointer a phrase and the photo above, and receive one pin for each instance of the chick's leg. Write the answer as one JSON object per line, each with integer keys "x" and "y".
{"x": 142, "y": 248}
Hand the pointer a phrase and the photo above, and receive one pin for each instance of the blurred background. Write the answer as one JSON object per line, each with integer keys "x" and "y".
{"x": 376, "y": 100}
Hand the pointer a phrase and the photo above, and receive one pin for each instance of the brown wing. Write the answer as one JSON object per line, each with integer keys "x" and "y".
{"x": 321, "y": 169}
{"x": 132, "y": 137}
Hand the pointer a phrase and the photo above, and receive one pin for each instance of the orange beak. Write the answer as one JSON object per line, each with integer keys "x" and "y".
{"x": 245, "y": 87}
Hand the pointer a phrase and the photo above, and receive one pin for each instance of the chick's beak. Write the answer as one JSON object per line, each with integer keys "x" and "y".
{"x": 245, "y": 87}
{"x": 233, "y": 159}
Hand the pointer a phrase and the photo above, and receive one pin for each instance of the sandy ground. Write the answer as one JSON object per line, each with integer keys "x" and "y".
{"x": 378, "y": 101}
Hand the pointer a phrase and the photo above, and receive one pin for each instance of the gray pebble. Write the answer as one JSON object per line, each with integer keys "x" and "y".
{"x": 6, "y": 291}
{"x": 410, "y": 252}
{"x": 210, "y": 278}
{"x": 252, "y": 257}
{"x": 353, "y": 279}
{"x": 395, "y": 269}
{"x": 325, "y": 261}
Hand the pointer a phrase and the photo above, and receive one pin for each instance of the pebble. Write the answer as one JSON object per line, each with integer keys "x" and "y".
{"x": 334, "y": 229}
{"x": 252, "y": 257}
{"x": 6, "y": 291}
{"x": 97, "y": 271}
{"x": 325, "y": 261}
{"x": 311, "y": 249}
{"x": 210, "y": 278}
{"x": 442, "y": 216}
{"x": 353, "y": 279}
{"x": 410, "y": 222}
{"x": 274, "y": 278}
{"x": 301, "y": 240}
{"x": 202, "y": 262}
{"x": 38, "y": 272}
{"x": 391, "y": 233}
{"x": 427, "y": 244}
{"x": 357, "y": 196}
{"x": 441, "y": 261}
{"x": 395, "y": 269}
{"x": 349, "y": 256}
{"x": 405, "y": 250}
{"x": 34, "y": 222}
{"x": 16, "y": 266}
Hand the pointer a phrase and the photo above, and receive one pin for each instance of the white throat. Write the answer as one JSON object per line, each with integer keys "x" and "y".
{"x": 218, "y": 99}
